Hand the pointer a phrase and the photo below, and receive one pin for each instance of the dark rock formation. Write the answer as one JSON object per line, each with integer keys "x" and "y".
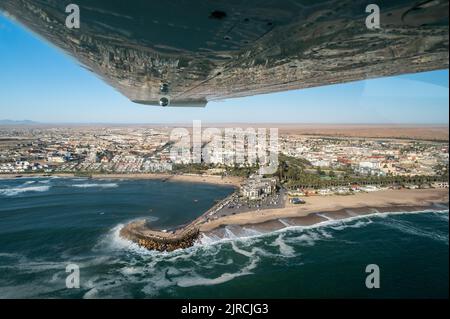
{"x": 142, "y": 235}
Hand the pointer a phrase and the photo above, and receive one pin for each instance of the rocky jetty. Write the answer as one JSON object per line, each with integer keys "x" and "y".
{"x": 140, "y": 233}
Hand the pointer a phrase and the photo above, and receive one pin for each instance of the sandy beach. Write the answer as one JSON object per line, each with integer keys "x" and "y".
{"x": 190, "y": 178}
{"x": 321, "y": 208}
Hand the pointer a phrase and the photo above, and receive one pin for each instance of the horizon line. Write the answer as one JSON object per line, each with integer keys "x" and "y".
{"x": 31, "y": 123}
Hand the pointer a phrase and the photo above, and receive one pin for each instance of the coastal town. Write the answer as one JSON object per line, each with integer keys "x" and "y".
{"x": 309, "y": 167}
{"x": 134, "y": 150}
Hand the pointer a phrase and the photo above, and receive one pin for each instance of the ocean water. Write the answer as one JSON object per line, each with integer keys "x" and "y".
{"x": 49, "y": 223}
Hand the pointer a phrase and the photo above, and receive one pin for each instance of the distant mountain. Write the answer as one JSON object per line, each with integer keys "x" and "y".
{"x": 12, "y": 122}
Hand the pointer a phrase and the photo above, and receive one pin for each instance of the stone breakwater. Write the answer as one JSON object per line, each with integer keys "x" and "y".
{"x": 139, "y": 233}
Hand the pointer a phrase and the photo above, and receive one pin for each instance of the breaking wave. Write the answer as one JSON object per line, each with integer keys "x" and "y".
{"x": 355, "y": 221}
{"x": 408, "y": 228}
{"x": 94, "y": 185}
{"x": 197, "y": 280}
{"x": 215, "y": 260}
{"x": 23, "y": 189}
{"x": 200, "y": 265}
{"x": 211, "y": 261}
{"x": 285, "y": 249}
{"x": 116, "y": 267}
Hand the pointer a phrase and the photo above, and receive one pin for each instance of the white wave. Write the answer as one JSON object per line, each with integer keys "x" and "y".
{"x": 325, "y": 216}
{"x": 159, "y": 271}
{"x": 355, "y": 221}
{"x": 206, "y": 264}
{"x": 285, "y": 249}
{"x": 20, "y": 190}
{"x": 201, "y": 281}
{"x": 427, "y": 211}
{"x": 157, "y": 283}
{"x": 324, "y": 233}
{"x": 442, "y": 216}
{"x": 351, "y": 213}
{"x": 201, "y": 265}
{"x": 249, "y": 232}
{"x": 197, "y": 280}
{"x": 408, "y": 228}
{"x": 105, "y": 286}
{"x": 91, "y": 294}
{"x": 285, "y": 223}
{"x": 94, "y": 185}
{"x": 131, "y": 270}
{"x": 177, "y": 255}
{"x": 113, "y": 241}
{"x": 24, "y": 265}
{"x": 208, "y": 239}
{"x": 345, "y": 224}
{"x": 11, "y": 255}
{"x": 242, "y": 251}
{"x": 39, "y": 266}
{"x": 229, "y": 234}
{"x": 308, "y": 239}
{"x": 244, "y": 234}
{"x": 309, "y": 236}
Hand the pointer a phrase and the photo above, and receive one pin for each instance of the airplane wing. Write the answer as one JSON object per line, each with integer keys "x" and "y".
{"x": 189, "y": 52}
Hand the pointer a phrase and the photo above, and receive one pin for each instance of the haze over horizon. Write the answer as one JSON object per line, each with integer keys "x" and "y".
{"x": 209, "y": 123}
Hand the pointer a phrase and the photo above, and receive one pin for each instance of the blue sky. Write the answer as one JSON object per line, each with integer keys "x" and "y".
{"x": 39, "y": 82}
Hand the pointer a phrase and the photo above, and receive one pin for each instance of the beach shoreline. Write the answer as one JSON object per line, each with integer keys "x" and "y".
{"x": 316, "y": 210}
{"x": 321, "y": 208}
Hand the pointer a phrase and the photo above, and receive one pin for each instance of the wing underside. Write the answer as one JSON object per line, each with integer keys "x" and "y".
{"x": 186, "y": 53}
